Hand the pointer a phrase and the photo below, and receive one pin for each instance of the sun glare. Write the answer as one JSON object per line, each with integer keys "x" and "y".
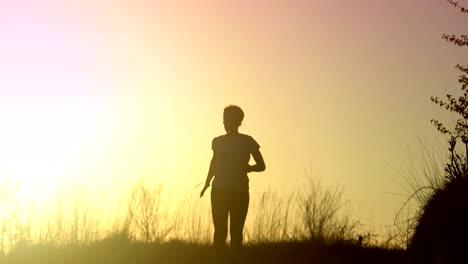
{"x": 41, "y": 138}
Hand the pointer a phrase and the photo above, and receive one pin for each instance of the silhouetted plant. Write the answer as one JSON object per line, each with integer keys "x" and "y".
{"x": 192, "y": 220}
{"x": 441, "y": 231}
{"x": 13, "y": 227}
{"x": 270, "y": 218}
{"x": 147, "y": 212}
{"x": 323, "y": 212}
{"x": 458, "y": 165}
{"x": 451, "y": 103}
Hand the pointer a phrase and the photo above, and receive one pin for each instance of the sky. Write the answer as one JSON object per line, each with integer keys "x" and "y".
{"x": 106, "y": 92}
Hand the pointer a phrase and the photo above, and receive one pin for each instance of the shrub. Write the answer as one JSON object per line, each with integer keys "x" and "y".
{"x": 442, "y": 229}
{"x": 324, "y": 214}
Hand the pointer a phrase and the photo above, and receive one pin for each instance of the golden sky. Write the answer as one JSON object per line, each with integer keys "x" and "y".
{"x": 109, "y": 91}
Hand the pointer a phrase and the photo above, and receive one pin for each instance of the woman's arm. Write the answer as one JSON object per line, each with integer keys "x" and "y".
{"x": 259, "y": 162}
{"x": 209, "y": 177}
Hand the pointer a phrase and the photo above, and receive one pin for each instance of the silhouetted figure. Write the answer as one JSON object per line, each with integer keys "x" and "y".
{"x": 229, "y": 167}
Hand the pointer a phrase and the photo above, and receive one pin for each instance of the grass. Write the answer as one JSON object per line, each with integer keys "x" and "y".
{"x": 312, "y": 224}
{"x": 441, "y": 230}
{"x": 118, "y": 250}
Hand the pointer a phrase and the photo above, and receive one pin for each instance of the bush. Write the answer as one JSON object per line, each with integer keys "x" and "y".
{"x": 325, "y": 215}
{"x": 442, "y": 228}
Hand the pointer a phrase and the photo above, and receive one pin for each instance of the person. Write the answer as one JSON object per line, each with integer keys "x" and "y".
{"x": 229, "y": 167}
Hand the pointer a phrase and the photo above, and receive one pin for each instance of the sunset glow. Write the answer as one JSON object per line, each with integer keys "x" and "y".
{"x": 107, "y": 92}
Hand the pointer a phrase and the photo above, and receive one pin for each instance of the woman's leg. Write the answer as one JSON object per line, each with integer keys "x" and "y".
{"x": 239, "y": 205}
{"x": 219, "y": 211}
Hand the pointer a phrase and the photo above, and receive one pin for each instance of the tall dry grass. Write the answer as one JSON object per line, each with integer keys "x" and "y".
{"x": 149, "y": 213}
{"x": 423, "y": 175}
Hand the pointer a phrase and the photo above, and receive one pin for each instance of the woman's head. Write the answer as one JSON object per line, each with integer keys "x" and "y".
{"x": 232, "y": 118}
